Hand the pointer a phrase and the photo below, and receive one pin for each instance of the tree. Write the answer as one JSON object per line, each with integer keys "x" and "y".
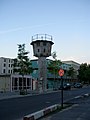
{"x": 22, "y": 64}
{"x": 71, "y": 72}
{"x": 84, "y": 73}
{"x": 88, "y": 74}
{"x": 54, "y": 55}
{"x": 54, "y": 66}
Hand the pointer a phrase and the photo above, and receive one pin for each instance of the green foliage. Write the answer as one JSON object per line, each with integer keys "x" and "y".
{"x": 71, "y": 72}
{"x": 84, "y": 73}
{"x": 54, "y": 55}
{"x": 54, "y": 66}
{"x": 22, "y": 63}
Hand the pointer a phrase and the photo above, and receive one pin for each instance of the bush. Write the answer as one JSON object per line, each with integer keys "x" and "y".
{"x": 23, "y": 92}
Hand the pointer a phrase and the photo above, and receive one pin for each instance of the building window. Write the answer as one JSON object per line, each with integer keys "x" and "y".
{"x": 8, "y": 71}
{"x": 28, "y": 81}
{"x": 20, "y": 83}
{"x": 11, "y": 71}
{"x": 38, "y": 43}
{"x": 4, "y": 60}
{"x": 44, "y": 43}
{"x": 9, "y": 65}
{"x": 4, "y": 65}
{"x": 38, "y": 50}
{"x": 24, "y": 83}
{"x": 44, "y": 50}
{"x": 4, "y": 70}
{"x": 15, "y": 84}
{"x": 9, "y": 60}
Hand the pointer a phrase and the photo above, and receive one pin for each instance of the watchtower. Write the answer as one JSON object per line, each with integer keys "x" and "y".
{"x": 42, "y": 44}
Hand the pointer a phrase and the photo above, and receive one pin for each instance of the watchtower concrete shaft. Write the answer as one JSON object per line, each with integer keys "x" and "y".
{"x": 42, "y": 44}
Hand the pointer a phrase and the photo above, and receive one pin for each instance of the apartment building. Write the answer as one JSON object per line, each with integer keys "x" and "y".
{"x": 73, "y": 64}
{"x": 6, "y": 66}
{"x": 12, "y": 82}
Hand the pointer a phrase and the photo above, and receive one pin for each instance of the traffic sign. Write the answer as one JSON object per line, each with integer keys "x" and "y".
{"x": 61, "y": 72}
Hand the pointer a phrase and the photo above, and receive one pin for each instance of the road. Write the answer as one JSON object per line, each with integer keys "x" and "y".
{"x": 15, "y": 108}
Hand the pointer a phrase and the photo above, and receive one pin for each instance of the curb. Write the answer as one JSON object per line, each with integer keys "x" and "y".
{"x": 41, "y": 113}
{"x": 82, "y": 96}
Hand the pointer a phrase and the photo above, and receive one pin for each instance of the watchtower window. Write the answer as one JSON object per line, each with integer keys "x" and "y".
{"x": 44, "y": 49}
{"x": 44, "y": 43}
{"x": 38, "y": 50}
{"x": 38, "y": 43}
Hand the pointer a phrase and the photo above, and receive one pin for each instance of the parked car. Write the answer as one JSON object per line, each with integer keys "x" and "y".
{"x": 77, "y": 85}
{"x": 66, "y": 86}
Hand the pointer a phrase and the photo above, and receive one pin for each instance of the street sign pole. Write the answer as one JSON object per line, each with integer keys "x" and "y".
{"x": 61, "y": 92}
{"x": 61, "y": 73}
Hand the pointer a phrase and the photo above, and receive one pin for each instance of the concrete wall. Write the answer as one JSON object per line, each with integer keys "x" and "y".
{"x": 5, "y": 83}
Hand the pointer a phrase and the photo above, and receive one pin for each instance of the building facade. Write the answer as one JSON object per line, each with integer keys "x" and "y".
{"x": 13, "y": 82}
{"x": 73, "y": 64}
{"x": 54, "y": 81}
{"x": 6, "y": 65}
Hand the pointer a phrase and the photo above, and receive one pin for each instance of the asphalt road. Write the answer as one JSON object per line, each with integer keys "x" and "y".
{"x": 16, "y": 108}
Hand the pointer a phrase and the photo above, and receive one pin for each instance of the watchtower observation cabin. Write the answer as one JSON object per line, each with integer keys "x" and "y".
{"x": 42, "y": 44}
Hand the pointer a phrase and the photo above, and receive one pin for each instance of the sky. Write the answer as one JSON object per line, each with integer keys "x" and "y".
{"x": 68, "y": 21}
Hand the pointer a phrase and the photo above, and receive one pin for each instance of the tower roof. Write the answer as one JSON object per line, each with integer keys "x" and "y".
{"x": 41, "y": 41}
{"x": 41, "y": 38}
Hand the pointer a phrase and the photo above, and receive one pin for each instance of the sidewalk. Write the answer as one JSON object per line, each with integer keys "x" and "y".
{"x": 79, "y": 111}
{"x": 7, "y": 95}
